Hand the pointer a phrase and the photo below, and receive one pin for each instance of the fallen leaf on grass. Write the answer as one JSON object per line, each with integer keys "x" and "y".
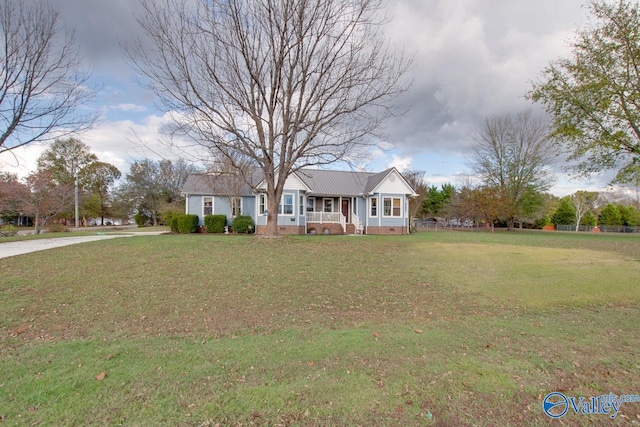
{"x": 101, "y": 376}
{"x": 20, "y": 330}
{"x": 418, "y": 331}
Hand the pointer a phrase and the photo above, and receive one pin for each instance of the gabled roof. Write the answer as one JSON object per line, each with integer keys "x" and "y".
{"x": 221, "y": 185}
{"x": 320, "y": 182}
{"x": 335, "y": 183}
{"x": 375, "y": 180}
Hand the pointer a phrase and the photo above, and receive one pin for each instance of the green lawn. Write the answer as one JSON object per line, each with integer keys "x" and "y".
{"x": 88, "y": 231}
{"x": 442, "y": 328}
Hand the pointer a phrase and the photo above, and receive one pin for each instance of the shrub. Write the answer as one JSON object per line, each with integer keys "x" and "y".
{"x": 243, "y": 224}
{"x": 170, "y": 218}
{"x": 215, "y": 223}
{"x": 141, "y": 219}
{"x": 173, "y": 223}
{"x": 8, "y": 231}
{"x": 167, "y": 215}
{"x": 56, "y": 228}
{"x": 187, "y": 223}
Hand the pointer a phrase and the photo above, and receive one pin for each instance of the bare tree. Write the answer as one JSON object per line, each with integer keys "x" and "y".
{"x": 287, "y": 83}
{"x": 416, "y": 180}
{"x": 583, "y": 202}
{"x": 41, "y": 81}
{"x": 513, "y": 153}
{"x": 233, "y": 174}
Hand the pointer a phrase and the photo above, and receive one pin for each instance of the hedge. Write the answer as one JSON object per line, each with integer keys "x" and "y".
{"x": 187, "y": 223}
{"x": 141, "y": 219}
{"x": 243, "y": 224}
{"x": 170, "y": 218}
{"x": 172, "y": 222}
{"x": 215, "y": 223}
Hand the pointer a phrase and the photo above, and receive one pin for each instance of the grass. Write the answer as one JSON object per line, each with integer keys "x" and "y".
{"x": 89, "y": 231}
{"x": 431, "y": 329}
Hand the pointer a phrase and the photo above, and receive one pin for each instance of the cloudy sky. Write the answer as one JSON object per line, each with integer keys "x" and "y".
{"x": 474, "y": 59}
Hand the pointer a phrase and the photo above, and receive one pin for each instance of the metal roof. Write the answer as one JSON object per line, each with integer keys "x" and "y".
{"x": 222, "y": 185}
{"x": 336, "y": 183}
{"x": 321, "y": 182}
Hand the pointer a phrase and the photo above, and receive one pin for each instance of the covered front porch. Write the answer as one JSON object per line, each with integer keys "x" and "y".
{"x": 333, "y": 223}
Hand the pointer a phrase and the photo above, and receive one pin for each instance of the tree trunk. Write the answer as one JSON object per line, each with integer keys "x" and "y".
{"x": 38, "y": 226}
{"x": 272, "y": 215}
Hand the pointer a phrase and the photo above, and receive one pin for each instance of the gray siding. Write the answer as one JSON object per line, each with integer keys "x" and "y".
{"x": 194, "y": 207}
{"x": 386, "y": 221}
{"x": 361, "y": 208}
{"x": 249, "y": 207}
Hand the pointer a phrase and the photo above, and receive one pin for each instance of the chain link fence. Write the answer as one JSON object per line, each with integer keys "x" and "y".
{"x": 434, "y": 225}
{"x": 603, "y": 228}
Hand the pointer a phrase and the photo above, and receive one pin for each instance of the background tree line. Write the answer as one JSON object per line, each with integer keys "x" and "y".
{"x": 483, "y": 206}
{"x": 47, "y": 195}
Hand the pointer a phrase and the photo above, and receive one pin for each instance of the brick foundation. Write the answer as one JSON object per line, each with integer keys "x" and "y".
{"x": 320, "y": 227}
{"x": 282, "y": 229}
{"x": 386, "y": 230}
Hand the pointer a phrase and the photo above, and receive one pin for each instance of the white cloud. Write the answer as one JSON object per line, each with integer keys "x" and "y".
{"x": 403, "y": 164}
{"x": 116, "y": 142}
{"x": 129, "y": 107}
{"x": 474, "y": 58}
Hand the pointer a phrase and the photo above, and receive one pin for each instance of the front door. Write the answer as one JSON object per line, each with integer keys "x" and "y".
{"x": 345, "y": 210}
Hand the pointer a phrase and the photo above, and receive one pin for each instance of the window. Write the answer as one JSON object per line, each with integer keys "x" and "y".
{"x": 263, "y": 204}
{"x": 328, "y": 205}
{"x": 373, "y": 203}
{"x": 286, "y": 205}
{"x": 301, "y": 206}
{"x": 311, "y": 204}
{"x": 391, "y": 206}
{"x": 207, "y": 206}
{"x": 236, "y": 207}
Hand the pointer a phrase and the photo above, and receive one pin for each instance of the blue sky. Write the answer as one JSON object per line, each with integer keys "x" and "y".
{"x": 474, "y": 59}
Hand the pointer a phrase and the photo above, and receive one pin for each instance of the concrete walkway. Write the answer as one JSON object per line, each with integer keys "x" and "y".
{"x": 27, "y": 246}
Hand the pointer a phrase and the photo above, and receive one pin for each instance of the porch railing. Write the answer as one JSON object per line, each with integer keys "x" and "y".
{"x": 328, "y": 218}
{"x": 355, "y": 220}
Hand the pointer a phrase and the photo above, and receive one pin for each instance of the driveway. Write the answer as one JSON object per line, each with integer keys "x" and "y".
{"x": 27, "y": 246}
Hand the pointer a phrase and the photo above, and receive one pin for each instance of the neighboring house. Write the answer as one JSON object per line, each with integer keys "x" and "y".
{"x": 313, "y": 201}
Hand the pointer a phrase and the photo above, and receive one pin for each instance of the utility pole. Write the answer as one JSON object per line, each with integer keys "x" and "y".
{"x": 76, "y": 222}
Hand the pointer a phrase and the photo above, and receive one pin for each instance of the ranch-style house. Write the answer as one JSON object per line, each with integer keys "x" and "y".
{"x": 313, "y": 201}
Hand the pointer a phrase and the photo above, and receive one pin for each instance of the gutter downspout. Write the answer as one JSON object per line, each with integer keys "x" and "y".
{"x": 406, "y": 216}
{"x": 366, "y": 214}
